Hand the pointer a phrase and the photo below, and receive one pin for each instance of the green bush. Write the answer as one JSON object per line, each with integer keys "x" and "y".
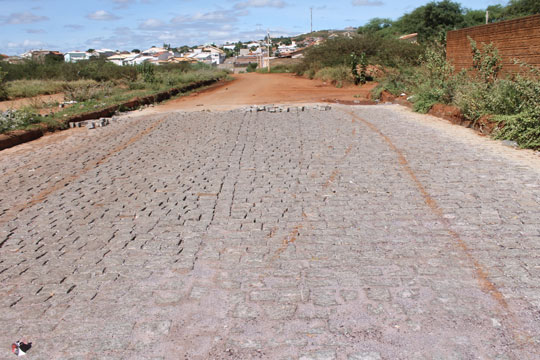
{"x": 524, "y": 128}
{"x": 377, "y": 50}
{"x": 336, "y": 75}
{"x": 251, "y": 67}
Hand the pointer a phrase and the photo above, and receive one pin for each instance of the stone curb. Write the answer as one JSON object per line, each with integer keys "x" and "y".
{"x": 17, "y": 137}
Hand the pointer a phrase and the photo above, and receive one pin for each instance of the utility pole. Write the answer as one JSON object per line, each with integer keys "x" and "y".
{"x": 311, "y": 21}
{"x": 269, "y": 42}
{"x": 487, "y": 16}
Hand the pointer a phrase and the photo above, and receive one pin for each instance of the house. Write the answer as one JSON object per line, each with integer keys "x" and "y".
{"x": 104, "y": 53}
{"x": 153, "y": 50}
{"x": 118, "y": 59}
{"x": 163, "y": 55}
{"x": 412, "y": 38}
{"x": 208, "y": 54}
{"x": 218, "y": 55}
{"x": 74, "y": 56}
{"x": 40, "y": 55}
{"x": 131, "y": 59}
{"x": 14, "y": 59}
{"x": 229, "y": 47}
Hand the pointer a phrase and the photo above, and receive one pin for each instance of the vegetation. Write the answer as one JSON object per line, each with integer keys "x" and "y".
{"x": 431, "y": 21}
{"x": 95, "y": 85}
{"x": 376, "y": 49}
{"x": 479, "y": 92}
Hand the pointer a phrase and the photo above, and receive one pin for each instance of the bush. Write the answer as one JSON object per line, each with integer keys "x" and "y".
{"x": 524, "y": 128}
{"x": 336, "y": 75}
{"x": 384, "y": 51}
{"x": 251, "y": 67}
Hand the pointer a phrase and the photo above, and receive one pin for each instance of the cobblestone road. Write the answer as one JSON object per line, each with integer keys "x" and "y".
{"x": 356, "y": 233}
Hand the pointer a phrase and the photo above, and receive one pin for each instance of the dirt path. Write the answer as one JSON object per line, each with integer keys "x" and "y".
{"x": 254, "y": 88}
{"x": 36, "y": 100}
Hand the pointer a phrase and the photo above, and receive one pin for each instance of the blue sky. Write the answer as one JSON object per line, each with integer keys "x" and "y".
{"x": 128, "y": 24}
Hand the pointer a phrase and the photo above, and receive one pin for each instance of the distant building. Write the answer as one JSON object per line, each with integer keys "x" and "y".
{"x": 40, "y": 55}
{"x": 74, "y": 56}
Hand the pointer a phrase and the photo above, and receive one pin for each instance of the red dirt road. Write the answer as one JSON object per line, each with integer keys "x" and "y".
{"x": 254, "y": 89}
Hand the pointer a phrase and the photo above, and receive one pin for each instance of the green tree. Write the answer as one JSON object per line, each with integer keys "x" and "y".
{"x": 432, "y": 20}
{"x": 518, "y": 8}
{"x": 136, "y": 51}
{"x": 381, "y": 26}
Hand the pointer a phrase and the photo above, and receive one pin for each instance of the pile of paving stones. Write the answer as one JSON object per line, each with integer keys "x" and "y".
{"x": 93, "y": 124}
{"x": 274, "y": 108}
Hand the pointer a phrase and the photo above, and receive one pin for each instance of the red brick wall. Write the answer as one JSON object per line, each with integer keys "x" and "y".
{"x": 515, "y": 39}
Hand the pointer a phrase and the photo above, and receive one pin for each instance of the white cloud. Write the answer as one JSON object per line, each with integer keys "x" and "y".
{"x": 22, "y": 18}
{"x": 367, "y": 3}
{"x": 102, "y": 15}
{"x": 26, "y": 44}
{"x": 151, "y": 24}
{"x": 260, "y": 4}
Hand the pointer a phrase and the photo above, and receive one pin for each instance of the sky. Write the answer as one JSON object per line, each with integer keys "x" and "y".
{"x": 139, "y": 24}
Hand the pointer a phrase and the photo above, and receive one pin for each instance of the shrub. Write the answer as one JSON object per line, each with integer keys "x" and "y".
{"x": 337, "y": 75}
{"x": 524, "y": 128}
{"x": 251, "y": 67}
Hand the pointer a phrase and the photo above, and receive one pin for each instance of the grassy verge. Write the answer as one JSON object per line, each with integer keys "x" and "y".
{"x": 93, "y": 96}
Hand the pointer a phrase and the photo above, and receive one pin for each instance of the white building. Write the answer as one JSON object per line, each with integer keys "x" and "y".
{"x": 74, "y": 56}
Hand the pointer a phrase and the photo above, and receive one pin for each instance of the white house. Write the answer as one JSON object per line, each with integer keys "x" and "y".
{"x": 74, "y": 56}
{"x": 154, "y": 50}
{"x": 208, "y": 54}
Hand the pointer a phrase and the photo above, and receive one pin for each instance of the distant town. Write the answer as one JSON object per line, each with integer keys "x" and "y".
{"x": 234, "y": 57}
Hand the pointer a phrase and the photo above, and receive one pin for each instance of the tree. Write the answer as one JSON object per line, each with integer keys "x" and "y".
{"x": 518, "y": 8}
{"x": 136, "y": 51}
{"x": 90, "y": 50}
{"x": 381, "y": 26}
{"x": 432, "y": 20}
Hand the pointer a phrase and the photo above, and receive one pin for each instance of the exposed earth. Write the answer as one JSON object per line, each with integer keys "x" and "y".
{"x": 360, "y": 232}
{"x": 254, "y": 88}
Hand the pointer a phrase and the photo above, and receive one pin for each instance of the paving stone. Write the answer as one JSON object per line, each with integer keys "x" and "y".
{"x": 284, "y": 234}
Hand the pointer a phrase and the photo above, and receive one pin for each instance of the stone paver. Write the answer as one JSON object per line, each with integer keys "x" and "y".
{"x": 355, "y": 233}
